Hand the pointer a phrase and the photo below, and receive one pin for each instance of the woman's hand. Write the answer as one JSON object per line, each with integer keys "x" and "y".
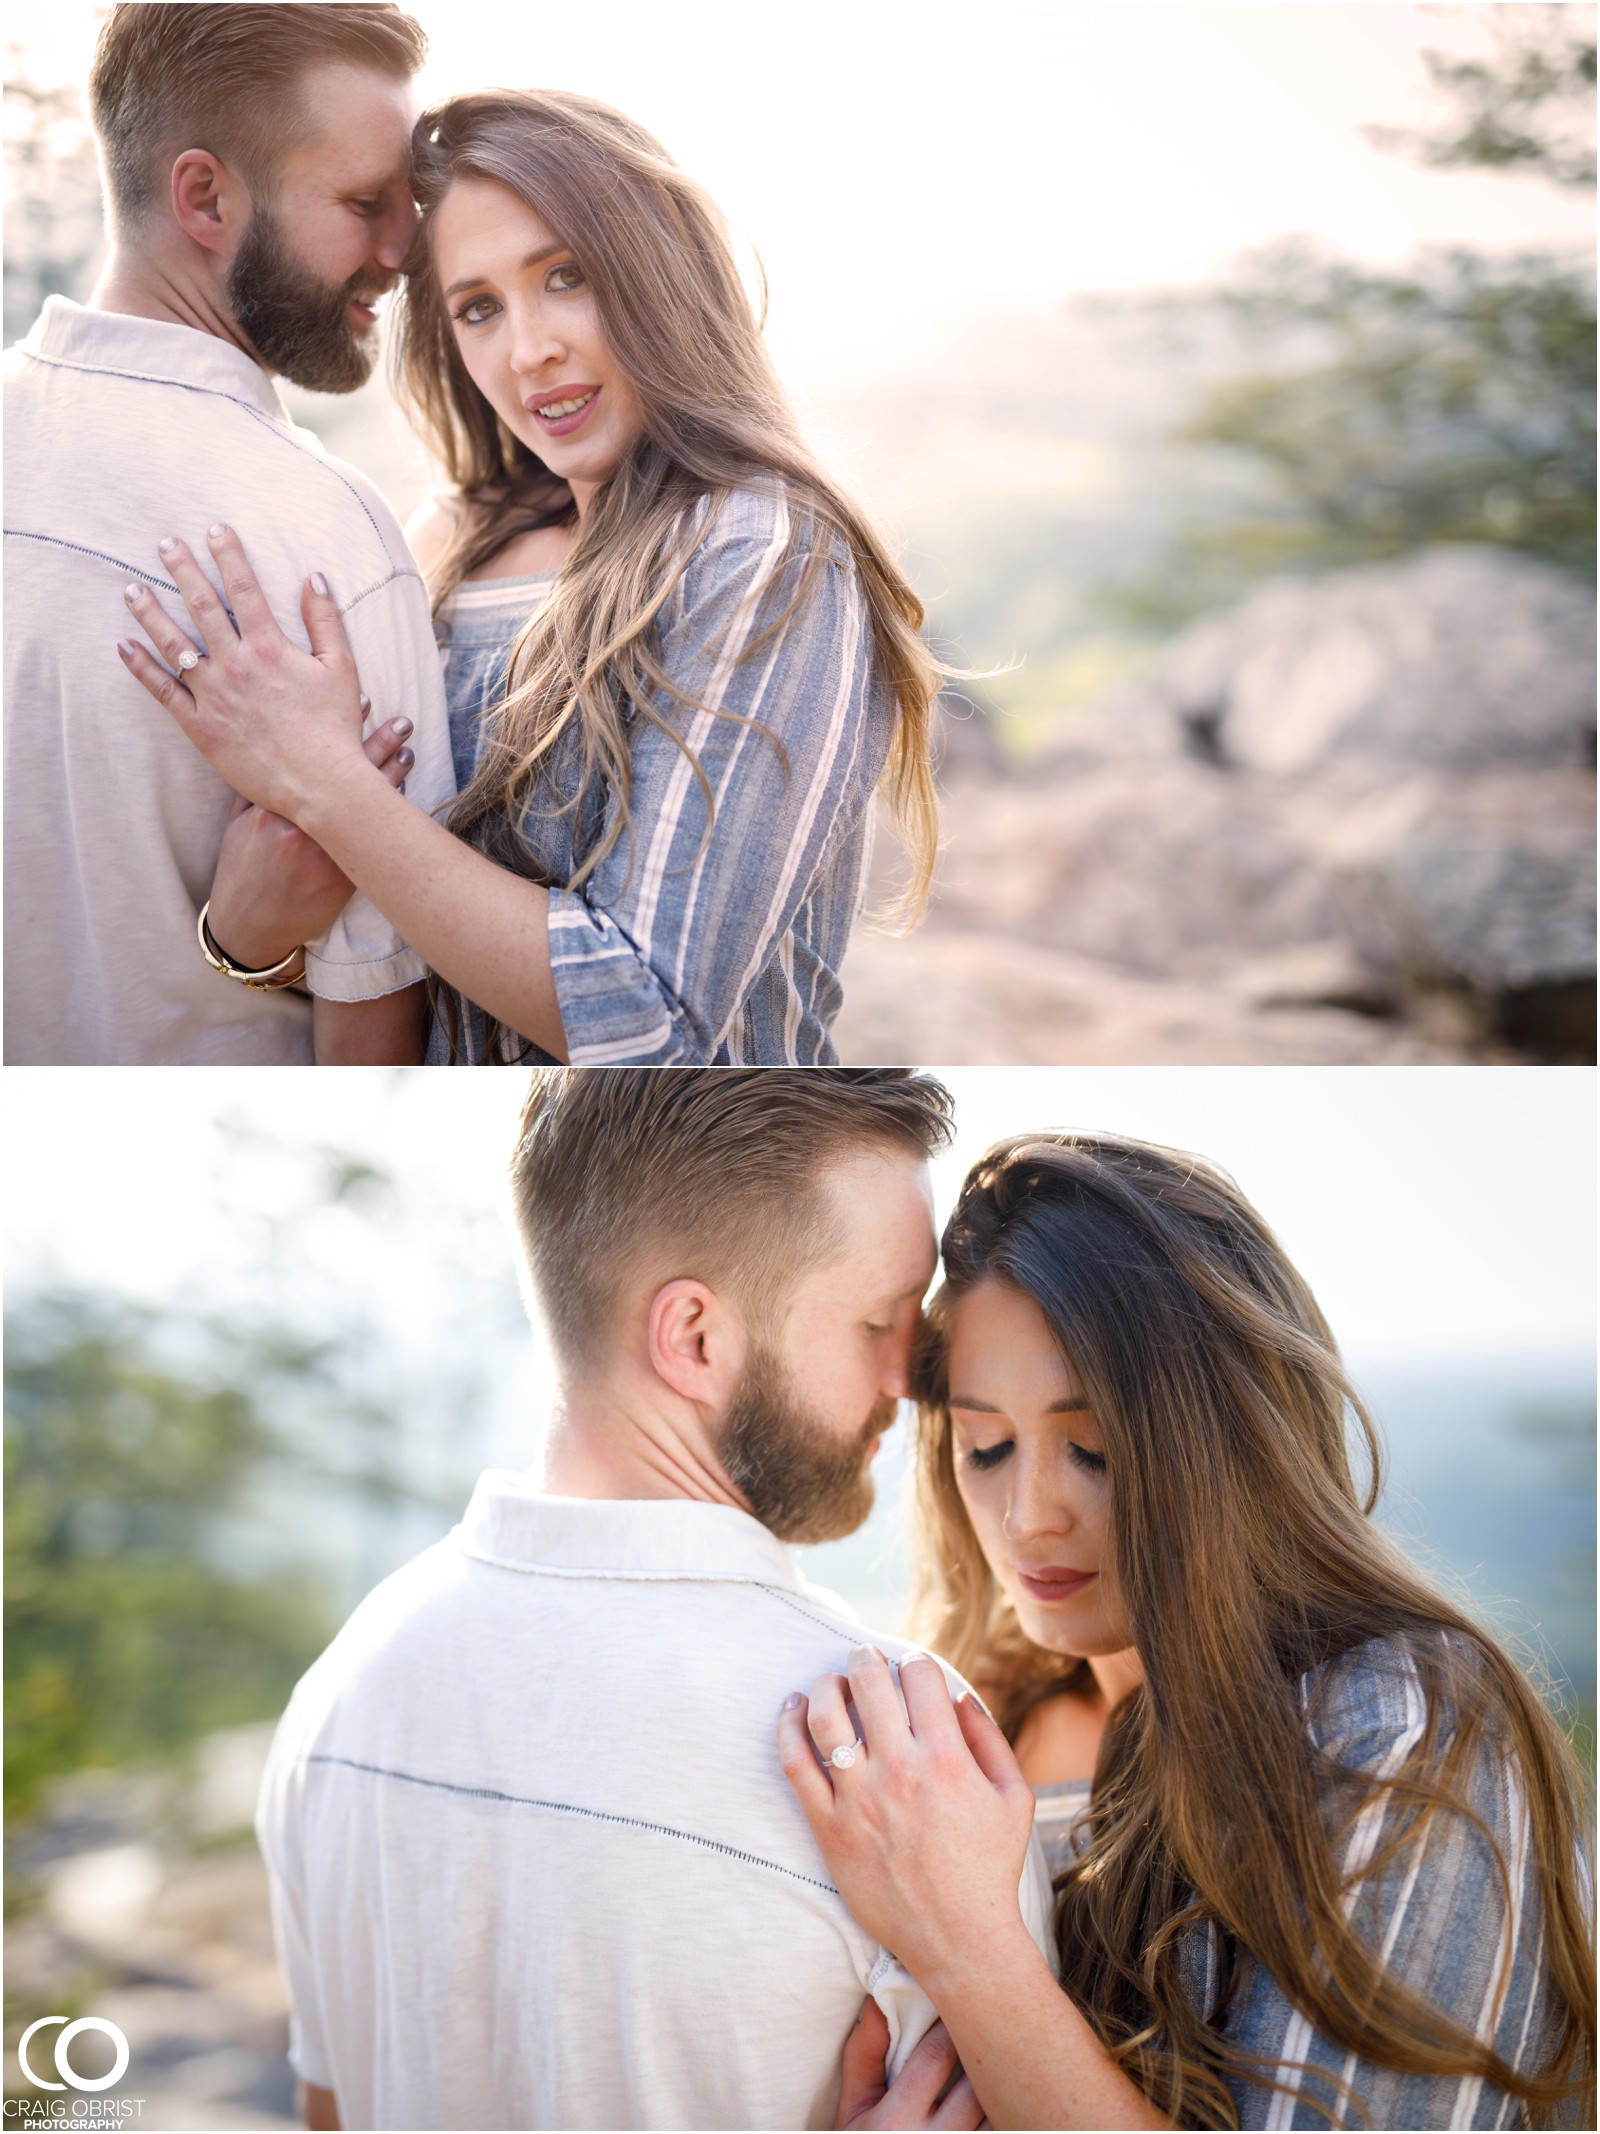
{"x": 923, "y": 2094}
{"x": 273, "y": 888}
{"x": 280, "y": 725}
{"x": 926, "y": 1831}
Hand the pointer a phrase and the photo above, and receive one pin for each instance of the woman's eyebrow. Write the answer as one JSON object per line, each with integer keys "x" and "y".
{"x": 533, "y": 259}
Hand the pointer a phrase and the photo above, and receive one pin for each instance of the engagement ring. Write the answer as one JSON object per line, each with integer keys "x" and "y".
{"x": 188, "y": 659}
{"x": 843, "y": 1758}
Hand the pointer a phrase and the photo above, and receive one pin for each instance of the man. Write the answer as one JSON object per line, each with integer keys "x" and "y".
{"x": 534, "y": 1861}
{"x": 255, "y": 162}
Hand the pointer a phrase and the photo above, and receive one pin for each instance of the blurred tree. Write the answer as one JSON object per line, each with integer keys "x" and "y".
{"x": 54, "y": 233}
{"x": 1529, "y": 107}
{"x": 1455, "y": 402}
{"x": 127, "y": 1632}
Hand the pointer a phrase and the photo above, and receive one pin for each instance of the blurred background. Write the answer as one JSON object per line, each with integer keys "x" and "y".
{"x": 1225, "y": 376}
{"x": 264, "y": 1331}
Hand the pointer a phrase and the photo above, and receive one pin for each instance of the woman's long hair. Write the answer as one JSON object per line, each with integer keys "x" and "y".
{"x": 676, "y": 317}
{"x": 1244, "y": 1557}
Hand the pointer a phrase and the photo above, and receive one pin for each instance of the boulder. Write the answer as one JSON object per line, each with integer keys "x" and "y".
{"x": 1461, "y": 658}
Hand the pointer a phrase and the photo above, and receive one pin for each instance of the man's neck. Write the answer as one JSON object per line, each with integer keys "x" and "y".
{"x": 602, "y": 1444}
{"x": 140, "y": 285}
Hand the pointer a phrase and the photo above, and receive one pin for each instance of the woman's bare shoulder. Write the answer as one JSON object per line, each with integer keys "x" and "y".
{"x": 431, "y": 528}
{"x": 1060, "y": 1739}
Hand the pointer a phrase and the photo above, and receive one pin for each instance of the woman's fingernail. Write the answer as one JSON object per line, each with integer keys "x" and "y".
{"x": 319, "y": 584}
{"x": 366, "y": 703}
{"x": 916, "y": 1653}
{"x": 168, "y": 545}
{"x": 972, "y": 1697}
{"x": 215, "y": 533}
{"x": 405, "y": 759}
{"x": 401, "y": 726}
{"x": 865, "y": 1652}
{"x": 400, "y": 788}
{"x": 792, "y": 1700}
{"x": 125, "y": 647}
{"x": 132, "y": 594}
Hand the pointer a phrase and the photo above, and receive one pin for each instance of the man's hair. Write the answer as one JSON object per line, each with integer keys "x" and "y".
{"x": 223, "y": 78}
{"x": 712, "y": 1173}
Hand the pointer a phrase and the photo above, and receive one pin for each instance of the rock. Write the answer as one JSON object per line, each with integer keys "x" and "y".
{"x": 101, "y": 1899}
{"x": 1464, "y": 658}
{"x": 1367, "y": 797}
{"x": 1165, "y": 868}
{"x": 985, "y": 999}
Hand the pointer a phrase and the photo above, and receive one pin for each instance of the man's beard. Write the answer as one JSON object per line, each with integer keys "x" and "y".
{"x": 801, "y": 1482}
{"x": 299, "y": 327}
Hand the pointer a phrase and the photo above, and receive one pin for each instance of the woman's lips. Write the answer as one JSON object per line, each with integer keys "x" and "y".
{"x": 564, "y": 425}
{"x": 1054, "y": 1584}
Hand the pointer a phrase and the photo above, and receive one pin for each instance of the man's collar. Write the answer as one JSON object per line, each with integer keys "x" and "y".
{"x": 512, "y": 1523}
{"x": 115, "y": 341}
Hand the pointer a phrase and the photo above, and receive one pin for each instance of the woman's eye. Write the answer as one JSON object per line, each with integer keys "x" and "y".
{"x": 982, "y": 1456}
{"x": 1092, "y": 1463}
{"x": 871, "y": 1329}
{"x": 476, "y": 310}
{"x": 566, "y": 276}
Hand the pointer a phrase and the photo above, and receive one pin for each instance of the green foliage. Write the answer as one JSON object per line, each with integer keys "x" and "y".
{"x": 127, "y": 1631}
{"x": 1377, "y": 412}
{"x": 1530, "y": 107}
{"x": 1453, "y": 403}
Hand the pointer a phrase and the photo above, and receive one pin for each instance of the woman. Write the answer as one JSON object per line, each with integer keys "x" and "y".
{"x": 1316, "y": 1836}
{"x": 710, "y": 663}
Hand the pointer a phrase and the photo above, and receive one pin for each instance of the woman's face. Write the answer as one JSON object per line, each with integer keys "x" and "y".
{"x": 530, "y": 335}
{"x": 1030, "y": 1466}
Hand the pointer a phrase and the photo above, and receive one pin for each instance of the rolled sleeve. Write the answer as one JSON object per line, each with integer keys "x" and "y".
{"x": 656, "y": 954}
{"x": 361, "y": 957}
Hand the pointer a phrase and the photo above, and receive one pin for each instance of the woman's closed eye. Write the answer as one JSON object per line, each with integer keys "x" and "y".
{"x": 985, "y": 1456}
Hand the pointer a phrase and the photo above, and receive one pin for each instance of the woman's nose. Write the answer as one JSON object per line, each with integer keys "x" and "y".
{"x": 1034, "y": 1506}
{"x": 534, "y": 347}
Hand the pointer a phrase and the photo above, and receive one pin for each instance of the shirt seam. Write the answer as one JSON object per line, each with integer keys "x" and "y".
{"x": 281, "y": 430}
{"x": 135, "y": 570}
{"x": 594, "y": 1815}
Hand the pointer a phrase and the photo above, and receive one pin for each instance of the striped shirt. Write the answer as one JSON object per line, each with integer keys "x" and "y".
{"x": 1439, "y": 1918}
{"x": 691, "y": 945}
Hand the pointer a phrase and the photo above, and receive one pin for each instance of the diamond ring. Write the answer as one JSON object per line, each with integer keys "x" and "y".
{"x": 188, "y": 658}
{"x": 843, "y": 1757}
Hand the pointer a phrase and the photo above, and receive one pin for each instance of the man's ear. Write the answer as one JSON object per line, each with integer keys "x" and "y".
{"x": 697, "y": 1343}
{"x": 210, "y": 202}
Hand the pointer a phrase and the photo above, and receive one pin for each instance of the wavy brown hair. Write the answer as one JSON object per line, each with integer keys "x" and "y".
{"x": 679, "y": 324}
{"x": 1245, "y": 1559}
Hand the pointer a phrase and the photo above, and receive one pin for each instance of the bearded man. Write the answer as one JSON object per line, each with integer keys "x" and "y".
{"x": 534, "y": 1862}
{"x": 256, "y": 166}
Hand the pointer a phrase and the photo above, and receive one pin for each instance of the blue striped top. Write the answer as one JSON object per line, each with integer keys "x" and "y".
{"x": 697, "y": 943}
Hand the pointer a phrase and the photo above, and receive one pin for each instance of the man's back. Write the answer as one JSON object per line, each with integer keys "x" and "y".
{"x": 534, "y": 1861}
{"x": 118, "y": 432}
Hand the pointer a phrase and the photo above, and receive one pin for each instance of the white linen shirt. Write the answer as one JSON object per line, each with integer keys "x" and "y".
{"x": 120, "y": 431}
{"x": 533, "y": 1859}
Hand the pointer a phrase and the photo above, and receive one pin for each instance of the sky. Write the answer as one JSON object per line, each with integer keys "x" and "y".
{"x": 1438, "y": 1213}
{"x": 908, "y": 169}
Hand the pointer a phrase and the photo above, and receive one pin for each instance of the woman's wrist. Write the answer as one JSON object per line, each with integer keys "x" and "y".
{"x": 977, "y": 1963}
{"x": 323, "y": 808}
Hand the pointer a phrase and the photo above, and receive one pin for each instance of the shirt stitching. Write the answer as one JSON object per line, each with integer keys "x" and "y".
{"x": 258, "y": 414}
{"x": 593, "y": 1815}
{"x": 134, "y": 570}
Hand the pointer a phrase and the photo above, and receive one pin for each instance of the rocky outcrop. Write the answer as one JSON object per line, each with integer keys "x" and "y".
{"x": 1351, "y": 821}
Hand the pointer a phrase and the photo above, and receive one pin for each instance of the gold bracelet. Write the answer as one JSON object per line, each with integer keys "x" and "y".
{"x": 267, "y": 980}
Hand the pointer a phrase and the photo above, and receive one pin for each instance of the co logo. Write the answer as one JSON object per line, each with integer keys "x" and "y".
{"x": 64, "y": 2065}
